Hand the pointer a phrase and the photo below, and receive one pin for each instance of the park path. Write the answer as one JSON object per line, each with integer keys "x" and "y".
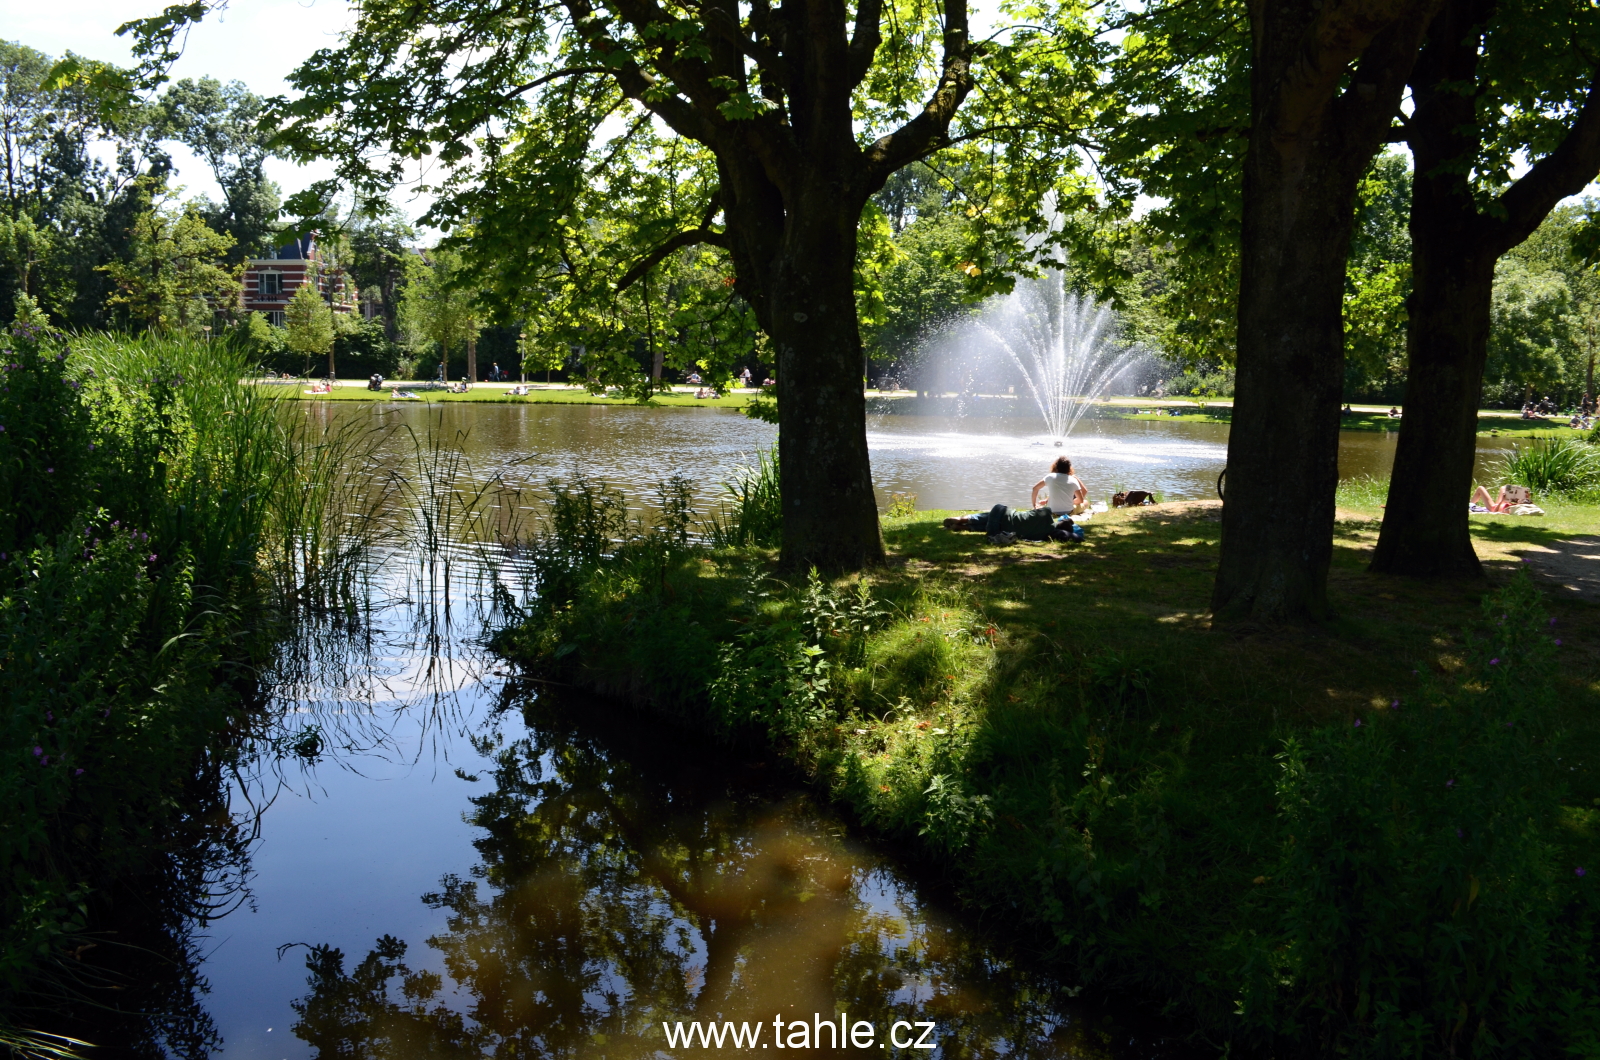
{"x": 1571, "y": 568}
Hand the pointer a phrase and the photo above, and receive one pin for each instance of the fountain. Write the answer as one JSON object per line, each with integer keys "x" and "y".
{"x": 1064, "y": 344}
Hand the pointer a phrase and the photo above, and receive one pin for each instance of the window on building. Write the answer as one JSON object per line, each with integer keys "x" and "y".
{"x": 271, "y": 284}
{"x": 275, "y": 318}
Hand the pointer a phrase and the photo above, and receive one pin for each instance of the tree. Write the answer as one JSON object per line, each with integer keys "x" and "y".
{"x": 1378, "y": 282}
{"x": 308, "y": 321}
{"x": 63, "y": 211}
{"x": 806, "y": 106}
{"x": 1325, "y": 80}
{"x": 435, "y": 309}
{"x": 378, "y": 238}
{"x": 222, "y": 124}
{"x": 1256, "y": 123}
{"x": 173, "y": 277}
{"x": 1495, "y": 79}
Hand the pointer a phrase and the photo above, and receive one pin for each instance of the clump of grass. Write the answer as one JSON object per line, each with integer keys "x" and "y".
{"x": 1553, "y": 465}
{"x": 158, "y": 521}
{"x": 1363, "y": 491}
{"x": 901, "y": 505}
{"x": 752, "y": 510}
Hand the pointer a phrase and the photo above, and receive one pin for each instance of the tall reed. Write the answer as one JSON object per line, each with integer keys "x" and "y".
{"x": 752, "y": 508}
{"x": 1554, "y": 465}
{"x": 158, "y": 520}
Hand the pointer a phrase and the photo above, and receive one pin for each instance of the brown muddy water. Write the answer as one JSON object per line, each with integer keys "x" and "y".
{"x": 472, "y": 867}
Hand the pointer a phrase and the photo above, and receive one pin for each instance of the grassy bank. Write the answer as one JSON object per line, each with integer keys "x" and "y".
{"x": 495, "y": 393}
{"x": 155, "y": 521}
{"x": 1362, "y": 838}
{"x": 1492, "y": 423}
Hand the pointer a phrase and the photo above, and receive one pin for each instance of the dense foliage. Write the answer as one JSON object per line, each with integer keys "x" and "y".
{"x": 142, "y": 495}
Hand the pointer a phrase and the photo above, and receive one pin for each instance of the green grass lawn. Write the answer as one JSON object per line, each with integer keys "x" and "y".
{"x": 356, "y": 390}
{"x": 1063, "y": 732}
{"x": 1494, "y": 423}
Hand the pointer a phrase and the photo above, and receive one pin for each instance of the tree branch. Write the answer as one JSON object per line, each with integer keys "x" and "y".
{"x": 866, "y": 37}
{"x": 1564, "y": 171}
{"x": 570, "y": 71}
{"x": 927, "y": 132}
{"x": 688, "y": 238}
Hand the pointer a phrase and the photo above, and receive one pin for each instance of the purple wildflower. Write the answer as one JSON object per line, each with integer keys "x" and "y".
{"x": 49, "y": 471}
{"x": 49, "y": 715}
{"x": 1580, "y": 871}
{"x": 151, "y": 557}
{"x": 37, "y": 750}
{"x": 1558, "y": 642}
{"x": 1494, "y": 662}
{"x": 45, "y": 760}
{"x": 1450, "y": 783}
{"x": 1552, "y": 621}
{"x": 1395, "y": 705}
{"x": 1358, "y": 723}
{"x": 77, "y": 772}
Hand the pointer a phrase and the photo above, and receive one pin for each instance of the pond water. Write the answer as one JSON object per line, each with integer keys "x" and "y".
{"x": 947, "y": 463}
{"x": 473, "y": 866}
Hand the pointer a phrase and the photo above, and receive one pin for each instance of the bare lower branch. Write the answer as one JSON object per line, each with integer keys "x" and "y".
{"x": 929, "y": 130}
{"x": 865, "y": 39}
{"x": 570, "y": 71}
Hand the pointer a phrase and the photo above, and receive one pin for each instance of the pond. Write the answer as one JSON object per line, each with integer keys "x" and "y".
{"x": 462, "y": 865}
{"x": 947, "y": 463}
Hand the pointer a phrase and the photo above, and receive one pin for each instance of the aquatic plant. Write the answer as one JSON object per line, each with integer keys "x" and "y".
{"x": 158, "y": 524}
{"x": 1550, "y": 465}
{"x": 752, "y": 510}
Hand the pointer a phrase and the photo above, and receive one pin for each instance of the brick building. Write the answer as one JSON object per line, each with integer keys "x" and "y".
{"x": 271, "y": 281}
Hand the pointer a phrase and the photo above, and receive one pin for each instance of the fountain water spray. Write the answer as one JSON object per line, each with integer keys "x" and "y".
{"x": 1064, "y": 344}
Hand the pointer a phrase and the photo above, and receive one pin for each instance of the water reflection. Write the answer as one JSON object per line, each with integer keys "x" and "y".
{"x": 627, "y": 879}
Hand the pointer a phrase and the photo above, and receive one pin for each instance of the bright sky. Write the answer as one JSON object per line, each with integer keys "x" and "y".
{"x": 254, "y": 41}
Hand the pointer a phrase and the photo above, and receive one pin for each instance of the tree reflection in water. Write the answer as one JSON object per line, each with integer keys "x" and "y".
{"x": 631, "y": 877}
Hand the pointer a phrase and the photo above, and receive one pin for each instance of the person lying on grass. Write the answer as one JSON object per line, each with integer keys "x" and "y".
{"x": 1004, "y": 525}
{"x": 1509, "y": 497}
{"x": 1060, "y": 490}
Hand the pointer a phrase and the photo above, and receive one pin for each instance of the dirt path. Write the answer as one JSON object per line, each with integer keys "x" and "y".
{"x": 1571, "y": 568}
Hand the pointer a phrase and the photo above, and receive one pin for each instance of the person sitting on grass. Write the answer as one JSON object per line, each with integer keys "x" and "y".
{"x": 1060, "y": 490}
{"x": 1510, "y": 497}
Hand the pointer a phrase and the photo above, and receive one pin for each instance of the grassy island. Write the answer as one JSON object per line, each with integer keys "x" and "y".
{"x": 1344, "y": 835}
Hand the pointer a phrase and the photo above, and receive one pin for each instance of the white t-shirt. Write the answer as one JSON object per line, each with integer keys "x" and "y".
{"x": 1059, "y": 490}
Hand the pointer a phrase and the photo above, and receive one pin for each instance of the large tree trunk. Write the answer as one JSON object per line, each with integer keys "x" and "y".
{"x": 1447, "y": 335}
{"x": 1454, "y": 247}
{"x": 1283, "y": 450}
{"x": 1312, "y": 136}
{"x": 830, "y": 512}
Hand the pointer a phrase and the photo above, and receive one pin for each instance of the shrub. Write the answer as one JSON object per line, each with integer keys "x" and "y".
{"x": 1555, "y": 465}
{"x": 1423, "y": 902}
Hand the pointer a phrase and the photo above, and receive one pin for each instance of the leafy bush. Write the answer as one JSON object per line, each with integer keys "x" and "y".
{"x": 1423, "y": 901}
{"x": 140, "y": 500}
{"x": 1555, "y": 465}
